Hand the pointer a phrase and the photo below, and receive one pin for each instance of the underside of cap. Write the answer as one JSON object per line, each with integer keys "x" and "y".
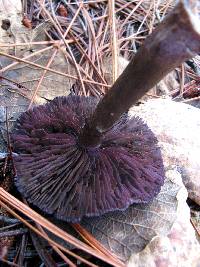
{"x": 61, "y": 177}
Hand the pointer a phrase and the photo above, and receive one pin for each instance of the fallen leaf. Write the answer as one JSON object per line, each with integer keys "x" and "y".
{"x": 127, "y": 232}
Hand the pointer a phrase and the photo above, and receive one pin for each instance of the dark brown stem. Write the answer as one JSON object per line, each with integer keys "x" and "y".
{"x": 174, "y": 41}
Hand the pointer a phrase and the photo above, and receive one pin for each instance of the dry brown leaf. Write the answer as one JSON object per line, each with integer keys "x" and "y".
{"x": 128, "y": 232}
{"x": 16, "y": 32}
{"x": 17, "y": 97}
{"x": 52, "y": 85}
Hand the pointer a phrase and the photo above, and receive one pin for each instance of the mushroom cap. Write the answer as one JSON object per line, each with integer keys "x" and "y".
{"x": 61, "y": 177}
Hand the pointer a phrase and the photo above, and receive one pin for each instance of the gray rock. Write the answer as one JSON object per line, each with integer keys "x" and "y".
{"x": 177, "y": 127}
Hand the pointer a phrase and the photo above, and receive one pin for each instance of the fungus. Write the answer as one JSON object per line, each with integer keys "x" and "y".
{"x": 78, "y": 157}
{"x": 62, "y": 176}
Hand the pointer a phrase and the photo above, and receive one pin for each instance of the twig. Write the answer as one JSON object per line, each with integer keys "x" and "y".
{"x": 44, "y": 236}
{"x": 7, "y": 227}
{"x": 5, "y": 219}
{"x": 57, "y": 250}
{"x": 153, "y": 17}
{"x": 42, "y": 252}
{"x": 22, "y": 250}
{"x": 54, "y": 42}
{"x": 15, "y": 203}
{"x": 59, "y": 29}
{"x": 21, "y": 90}
{"x": 90, "y": 61}
{"x": 166, "y": 7}
{"x": 92, "y": 30}
{"x": 182, "y": 78}
{"x": 92, "y": 241}
{"x": 13, "y": 233}
{"x": 114, "y": 47}
{"x": 29, "y": 56}
{"x": 41, "y": 78}
{"x": 130, "y": 14}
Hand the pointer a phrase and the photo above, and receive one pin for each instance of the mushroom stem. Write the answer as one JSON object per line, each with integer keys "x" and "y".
{"x": 175, "y": 40}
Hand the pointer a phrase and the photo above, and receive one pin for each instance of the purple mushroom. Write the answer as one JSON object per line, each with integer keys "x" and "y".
{"x": 78, "y": 157}
{"x": 62, "y": 176}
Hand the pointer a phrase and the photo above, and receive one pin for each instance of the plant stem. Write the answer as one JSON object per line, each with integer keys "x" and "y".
{"x": 175, "y": 40}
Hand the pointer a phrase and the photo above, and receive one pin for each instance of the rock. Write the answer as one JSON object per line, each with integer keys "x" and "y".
{"x": 179, "y": 248}
{"x": 177, "y": 127}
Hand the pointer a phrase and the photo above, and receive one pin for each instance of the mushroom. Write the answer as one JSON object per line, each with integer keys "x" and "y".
{"x": 80, "y": 157}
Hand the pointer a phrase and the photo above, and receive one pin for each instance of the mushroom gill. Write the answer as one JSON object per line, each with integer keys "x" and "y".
{"x": 69, "y": 180}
